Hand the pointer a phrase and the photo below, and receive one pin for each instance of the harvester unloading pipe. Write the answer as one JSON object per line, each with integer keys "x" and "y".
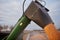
{"x": 38, "y": 13}
{"x": 35, "y": 12}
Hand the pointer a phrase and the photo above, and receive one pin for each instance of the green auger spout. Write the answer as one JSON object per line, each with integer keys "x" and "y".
{"x": 19, "y": 27}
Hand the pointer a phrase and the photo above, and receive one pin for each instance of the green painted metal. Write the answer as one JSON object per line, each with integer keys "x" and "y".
{"x": 19, "y": 27}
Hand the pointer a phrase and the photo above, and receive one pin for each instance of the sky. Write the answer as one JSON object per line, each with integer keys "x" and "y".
{"x": 11, "y": 11}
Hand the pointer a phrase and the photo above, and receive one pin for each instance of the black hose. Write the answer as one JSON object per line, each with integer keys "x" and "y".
{"x": 23, "y": 6}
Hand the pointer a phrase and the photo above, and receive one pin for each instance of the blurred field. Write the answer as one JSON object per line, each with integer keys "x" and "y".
{"x": 26, "y": 34}
{"x": 33, "y": 35}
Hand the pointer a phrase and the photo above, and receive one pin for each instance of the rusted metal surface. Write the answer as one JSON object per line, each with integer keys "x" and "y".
{"x": 38, "y": 14}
